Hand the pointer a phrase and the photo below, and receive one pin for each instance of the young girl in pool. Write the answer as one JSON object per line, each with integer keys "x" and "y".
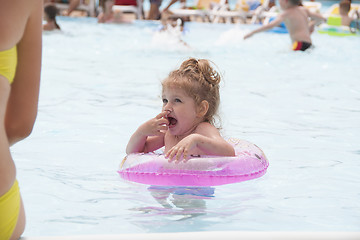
{"x": 185, "y": 126}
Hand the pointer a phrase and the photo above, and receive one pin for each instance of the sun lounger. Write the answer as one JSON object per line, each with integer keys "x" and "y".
{"x": 262, "y": 12}
{"x": 132, "y": 6}
{"x": 264, "y": 16}
{"x": 312, "y": 6}
{"x": 202, "y": 10}
{"x": 222, "y": 11}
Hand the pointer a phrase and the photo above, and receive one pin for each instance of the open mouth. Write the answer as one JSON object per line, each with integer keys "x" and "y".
{"x": 172, "y": 121}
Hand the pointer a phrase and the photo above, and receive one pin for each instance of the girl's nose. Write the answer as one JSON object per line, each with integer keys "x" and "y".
{"x": 168, "y": 110}
{"x": 167, "y": 107}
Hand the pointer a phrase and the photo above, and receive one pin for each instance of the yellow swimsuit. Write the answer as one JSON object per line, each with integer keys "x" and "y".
{"x": 10, "y": 201}
{"x": 9, "y": 211}
{"x": 8, "y": 62}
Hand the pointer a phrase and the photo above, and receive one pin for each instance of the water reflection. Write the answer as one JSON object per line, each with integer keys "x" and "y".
{"x": 183, "y": 202}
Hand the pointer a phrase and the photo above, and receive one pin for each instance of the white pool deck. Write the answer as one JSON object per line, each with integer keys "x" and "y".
{"x": 213, "y": 236}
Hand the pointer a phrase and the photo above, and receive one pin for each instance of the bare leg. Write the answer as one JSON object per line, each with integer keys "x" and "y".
{"x": 154, "y": 12}
{"x": 73, "y": 4}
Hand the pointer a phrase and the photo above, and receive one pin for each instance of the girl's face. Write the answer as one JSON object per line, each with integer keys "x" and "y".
{"x": 182, "y": 111}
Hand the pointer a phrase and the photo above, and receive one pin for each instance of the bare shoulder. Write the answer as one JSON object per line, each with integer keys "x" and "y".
{"x": 304, "y": 10}
{"x": 291, "y": 11}
{"x": 296, "y": 14}
{"x": 207, "y": 129}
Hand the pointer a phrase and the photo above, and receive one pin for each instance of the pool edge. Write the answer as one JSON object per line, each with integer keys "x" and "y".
{"x": 229, "y": 235}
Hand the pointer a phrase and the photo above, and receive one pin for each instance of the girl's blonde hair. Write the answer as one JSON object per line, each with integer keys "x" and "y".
{"x": 200, "y": 81}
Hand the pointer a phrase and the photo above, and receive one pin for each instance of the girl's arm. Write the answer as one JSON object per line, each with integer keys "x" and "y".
{"x": 277, "y": 21}
{"x": 139, "y": 143}
{"x": 23, "y": 101}
{"x": 149, "y": 136}
{"x": 73, "y": 4}
{"x": 206, "y": 138}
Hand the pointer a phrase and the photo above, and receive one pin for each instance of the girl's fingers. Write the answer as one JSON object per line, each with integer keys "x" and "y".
{"x": 179, "y": 154}
{"x": 161, "y": 115}
{"x": 185, "y": 155}
{"x": 162, "y": 128}
{"x": 167, "y": 154}
{"x": 159, "y": 133}
{"x": 171, "y": 154}
{"x": 163, "y": 121}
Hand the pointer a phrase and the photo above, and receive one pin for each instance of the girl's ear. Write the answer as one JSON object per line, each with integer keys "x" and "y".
{"x": 203, "y": 108}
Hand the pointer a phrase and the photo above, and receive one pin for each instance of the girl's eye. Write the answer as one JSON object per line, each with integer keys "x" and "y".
{"x": 177, "y": 100}
{"x": 165, "y": 100}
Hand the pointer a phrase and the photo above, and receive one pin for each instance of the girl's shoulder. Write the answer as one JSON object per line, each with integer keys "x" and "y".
{"x": 205, "y": 127}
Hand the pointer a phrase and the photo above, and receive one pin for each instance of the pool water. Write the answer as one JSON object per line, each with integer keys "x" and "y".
{"x": 100, "y": 82}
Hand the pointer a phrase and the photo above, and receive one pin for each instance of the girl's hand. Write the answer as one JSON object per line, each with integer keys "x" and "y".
{"x": 149, "y": 136}
{"x": 182, "y": 150}
{"x": 155, "y": 126}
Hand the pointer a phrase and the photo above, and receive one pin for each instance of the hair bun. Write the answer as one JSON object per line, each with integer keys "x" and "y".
{"x": 203, "y": 68}
{"x": 209, "y": 73}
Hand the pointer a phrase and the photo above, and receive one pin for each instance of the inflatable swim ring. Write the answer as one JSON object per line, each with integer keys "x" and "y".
{"x": 341, "y": 31}
{"x": 153, "y": 169}
{"x": 333, "y": 27}
{"x": 279, "y": 29}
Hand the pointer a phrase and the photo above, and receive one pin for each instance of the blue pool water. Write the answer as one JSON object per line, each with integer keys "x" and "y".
{"x": 232, "y": 4}
{"x": 100, "y": 82}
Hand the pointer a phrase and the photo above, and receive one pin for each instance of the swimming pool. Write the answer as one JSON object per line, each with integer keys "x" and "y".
{"x": 99, "y": 82}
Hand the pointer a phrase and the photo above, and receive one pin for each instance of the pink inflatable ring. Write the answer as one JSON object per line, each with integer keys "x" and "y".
{"x": 153, "y": 169}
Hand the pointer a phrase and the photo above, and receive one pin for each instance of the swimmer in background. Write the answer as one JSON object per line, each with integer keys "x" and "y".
{"x": 109, "y": 16}
{"x": 50, "y": 12}
{"x": 344, "y": 9}
{"x": 174, "y": 27}
{"x": 296, "y": 21}
{"x": 186, "y": 125}
{"x": 20, "y": 68}
{"x": 73, "y": 4}
{"x": 169, "y": 20}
